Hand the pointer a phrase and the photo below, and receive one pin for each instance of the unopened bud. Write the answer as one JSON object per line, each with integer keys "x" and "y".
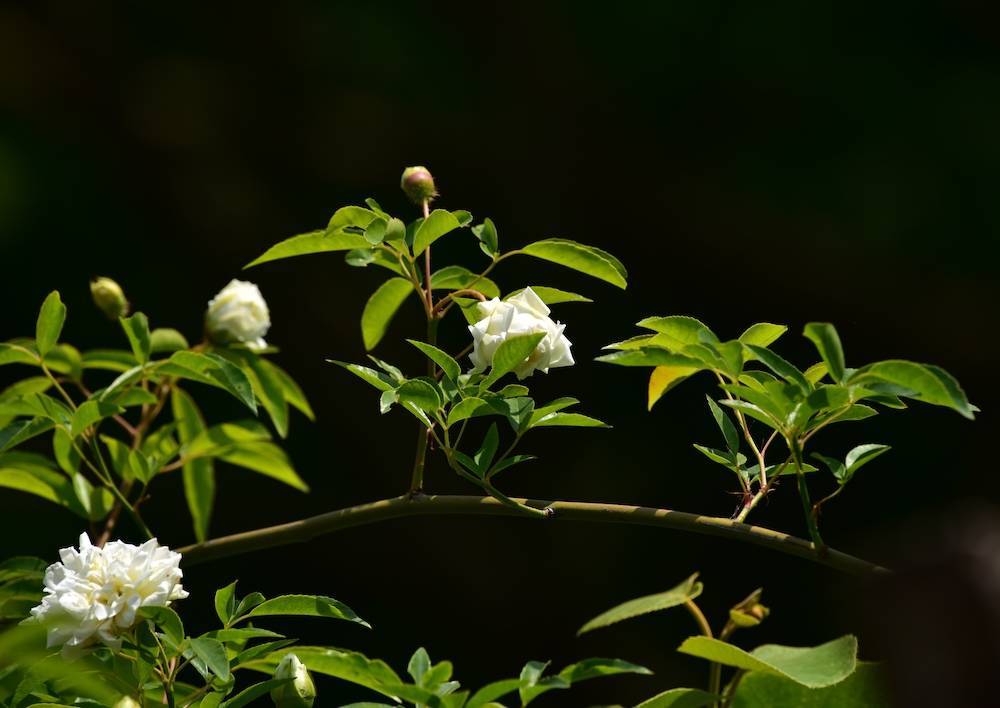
{"x": 127, "y": 702}
{"x": 109, "y": 297}
{"x": 748, "y": 616}
{"x": 300, "y": 692}
{"x": 418, "y": 184}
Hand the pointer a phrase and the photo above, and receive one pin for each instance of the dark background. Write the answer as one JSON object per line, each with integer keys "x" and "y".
{"x": 771, "y": 161}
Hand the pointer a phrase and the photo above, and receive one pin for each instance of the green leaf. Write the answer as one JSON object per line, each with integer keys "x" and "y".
{"x": 509, "y": 355}
{"x": 585, "y": 259}
{"x": 436, "y": 225}
{"x": 137, "y": 330}
{"x": 678, "y": 331}
{"x": 91, "y": 412}
{"x": 267, "y": 386}
{"x": 922, "y": 382}
{"x": 378, "y": 379}
{"x": 725, "y": 458}
{"x": 375, "y": 233}
{"x": 862, "y": 455}
{"x": 419, "y": 664}
{"x": 225, "y": 602}
{"x": 865, "y": 688}
{"x": 675, "y": 596}
{"x": 345, "y": 665}
{"x": 484, "y": 456}
{"x": 380, "y": 309}
{"x": 21, "y": 430}
{"x": 266, "y": 458}
{"x": 763, "y": 334}
{"x": 665, "y": 377}
{"x": 292, "y": 391}
{"x": 213, "y": 370}
{"x": 421, "y": 394}
{"x": 550, "y": 296}
{"x": 455, "y": 277}
{"x": 814, "y": 667}
{"x": 306, "y": 605}
{"x": 469, "y": 408}
{"x": 448, "y": 365}
{"x": 815, "y": 373}
{"x": 249, "y": 694}
{"x": 50, "y": 323}
{"x": 167, "y": 620}
{"x": 213, "y": 654}
{"x": 199, "y": 474}
{"x": 781, "y": 367}
{"x": 489, "y": 240}
{"x": 321, "y": 241}
{"x": 681, "y": 698}
{"x": 109, "y": 360}
{"x": 165, "y": 339}
{"x": 31, "y": 473}
{"x": 567, "y": 420}
{"x": 652, "y": 356}
{"x": 725, "y": 425}
{"x": 824, "y": 336}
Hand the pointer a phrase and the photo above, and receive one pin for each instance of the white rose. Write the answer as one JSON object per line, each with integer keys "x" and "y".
{"x": 93, "y": 594}
{"x": 238, "y": 314}
{"x": 525, "y": 313}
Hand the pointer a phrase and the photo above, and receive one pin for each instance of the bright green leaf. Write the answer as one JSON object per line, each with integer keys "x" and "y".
{"x": 137, "y": 330}
{"x": 50, "y": 323}
{"x": 824, "y": 336}
{"x": 585, "y": 259}
{"x": 380, "y": 309}
{"x": 689, "y": 589}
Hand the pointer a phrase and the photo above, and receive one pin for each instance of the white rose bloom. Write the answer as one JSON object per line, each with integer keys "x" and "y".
{"x": 525, "y": 313}
{"x": 238, "y": 314}
{"x": 93, "y": 594}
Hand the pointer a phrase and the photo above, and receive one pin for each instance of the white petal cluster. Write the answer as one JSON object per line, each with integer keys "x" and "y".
{"x": 525, "y": 313}
{"x": 238, "y": 314}
{"x": 93, "y": 594}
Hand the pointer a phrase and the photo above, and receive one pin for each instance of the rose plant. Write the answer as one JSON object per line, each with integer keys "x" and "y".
{"x": 92, "y": 431}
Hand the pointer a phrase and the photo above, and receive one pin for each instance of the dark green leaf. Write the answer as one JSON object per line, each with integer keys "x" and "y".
{"x": 489, "y": 241}
{"x": 725, "y": 425}
{"x": 211, "y": 369}
{"x": 781, "y": 367}
{"x": 199, "y": 474}
{"x": 484, "y": 456}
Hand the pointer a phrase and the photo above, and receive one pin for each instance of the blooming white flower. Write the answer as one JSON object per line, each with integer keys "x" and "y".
{"x": 525, "y": 313}
{"x": 93, "y": 594}
{"x": 238, "y": 314}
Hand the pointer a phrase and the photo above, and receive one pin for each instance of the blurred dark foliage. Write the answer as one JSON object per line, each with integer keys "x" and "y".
{"x": 782, "y": 161}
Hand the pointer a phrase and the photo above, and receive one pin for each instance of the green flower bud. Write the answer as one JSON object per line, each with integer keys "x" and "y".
{"x": 109, "y": 298}
{"x": 297, "y": 693}
{"x": 418, "y": 184}
{"x": 127, "y": 702}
